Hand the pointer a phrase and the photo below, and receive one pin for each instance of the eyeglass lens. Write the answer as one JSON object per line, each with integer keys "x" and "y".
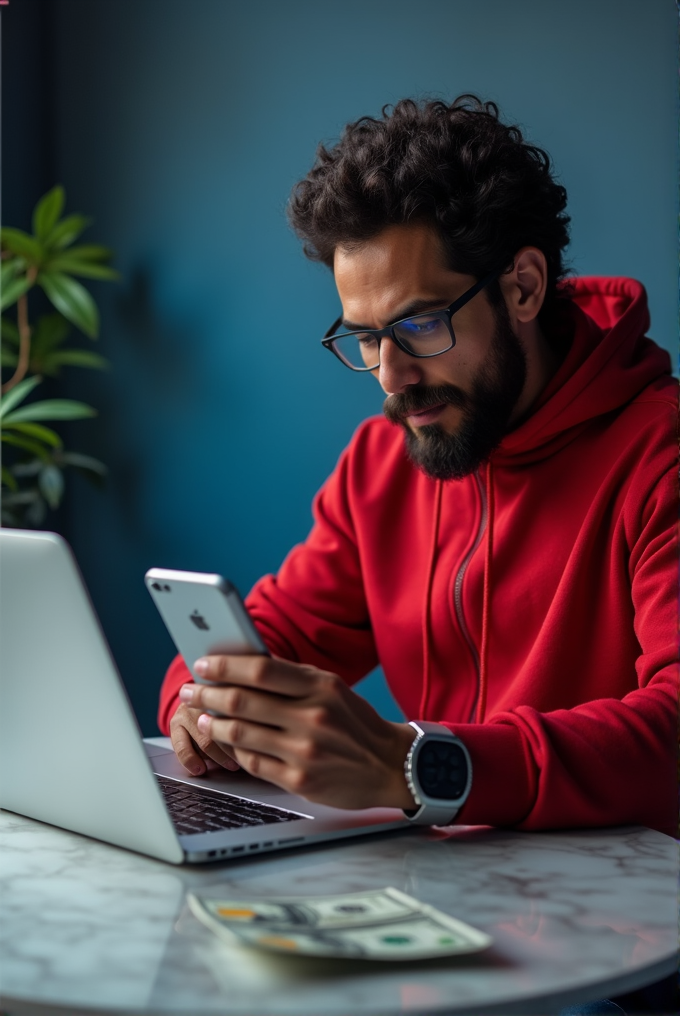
{"x": 423, "y": 335}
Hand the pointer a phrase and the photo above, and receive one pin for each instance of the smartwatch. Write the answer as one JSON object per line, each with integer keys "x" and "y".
{"x": 438, "y": 773}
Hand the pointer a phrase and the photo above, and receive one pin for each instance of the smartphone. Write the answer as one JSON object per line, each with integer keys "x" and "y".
{"x": 204, "y": 614}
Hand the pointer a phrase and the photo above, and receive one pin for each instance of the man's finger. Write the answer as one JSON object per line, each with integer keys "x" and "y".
{"x": 192, "y": 747}
{"x": 185, "y": 750}
{"x": 266, "y": 768}
{"x": 265, "y": 673}
{"x": 236, "y": 700}
{"x": 239, "y": 734}
{"x": 209, "y": 750}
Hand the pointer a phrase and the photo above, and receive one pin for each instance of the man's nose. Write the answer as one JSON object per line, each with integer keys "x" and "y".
{"x": 397, "y": 370}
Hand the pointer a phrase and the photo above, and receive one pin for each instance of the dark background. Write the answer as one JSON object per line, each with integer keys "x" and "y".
{"x": 181, "y": 127}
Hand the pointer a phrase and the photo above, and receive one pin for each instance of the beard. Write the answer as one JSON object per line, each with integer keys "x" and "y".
{"x": 486, "y": 410}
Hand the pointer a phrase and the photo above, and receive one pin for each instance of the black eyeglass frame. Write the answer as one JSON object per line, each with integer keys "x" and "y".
{"x": 444, "y": 315}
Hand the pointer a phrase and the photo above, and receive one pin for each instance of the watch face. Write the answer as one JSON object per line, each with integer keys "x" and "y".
{"x": 442, "y": 770}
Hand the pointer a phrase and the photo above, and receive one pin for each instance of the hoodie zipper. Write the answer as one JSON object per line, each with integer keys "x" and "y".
{"x": 458, "y": 589}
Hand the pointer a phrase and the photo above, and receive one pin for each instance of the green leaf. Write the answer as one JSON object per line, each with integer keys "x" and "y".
{"x": 47, "y": 211}
{"x": 84, "y": 462}
{"x": 17, "y": 394}
{"x": 51, "y": 484}
{"x": 79, "y": 358}
{"x": 72, "y": 300}
{"x": 66, "y": 231}
{"x": 50, "y": 409}
{"x": 36, "y": 430}
{"x": 24, "y": 469}
{"x": 8, "y": 479}
{"x": 50, "y": 361}
{"x": 90, "y": 252}
{"x": 50, "y": 331}
{"x": 87, "y": 269}
{"x": 26, "y": 444}
{"x": 22, "y": 497}
{"x": 13, "y": 290}
{"x": 8, "y": 359}
{"x": 10, "y": 268}
{"x": 18, "y": 242}
{"x": 9, "y": 331}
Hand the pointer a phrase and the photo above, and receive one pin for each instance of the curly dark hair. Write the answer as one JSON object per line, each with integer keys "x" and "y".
{"x": 485, "y": 189}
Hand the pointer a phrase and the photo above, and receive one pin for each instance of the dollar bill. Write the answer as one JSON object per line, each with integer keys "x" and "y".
{"x": 349, "y": 909}
{"x": 384, "y": 924}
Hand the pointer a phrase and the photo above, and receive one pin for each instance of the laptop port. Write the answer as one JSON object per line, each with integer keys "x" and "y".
{"x": 254, "y": 846}
{"x": 237, "y": 850}
{"x": 269, "y": 843}
{"x": 212, "y": 853}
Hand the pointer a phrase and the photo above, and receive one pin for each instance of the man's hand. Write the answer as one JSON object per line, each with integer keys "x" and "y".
{"x": 195, "y": 750}
{"x": 302, "y": 729}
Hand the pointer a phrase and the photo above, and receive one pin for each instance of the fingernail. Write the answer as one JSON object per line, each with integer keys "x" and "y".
{"x": 203, "y": 723}
{"x": 186, "y": 693}
{"x": 195, "y": 769}
{"x": 201, "y": 666}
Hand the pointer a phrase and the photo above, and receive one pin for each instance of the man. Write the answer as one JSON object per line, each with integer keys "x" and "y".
{"x": 503, "y": 543}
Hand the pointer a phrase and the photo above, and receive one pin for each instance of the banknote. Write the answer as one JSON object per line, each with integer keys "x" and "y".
{"x": 349, "y": 909}
{"x": 383, "y": 924}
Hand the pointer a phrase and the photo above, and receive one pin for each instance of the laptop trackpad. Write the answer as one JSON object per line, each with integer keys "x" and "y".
{"x": 220, "y": 780}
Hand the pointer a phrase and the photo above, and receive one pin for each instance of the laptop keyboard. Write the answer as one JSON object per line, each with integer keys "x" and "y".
{"x": 194, "y": 810}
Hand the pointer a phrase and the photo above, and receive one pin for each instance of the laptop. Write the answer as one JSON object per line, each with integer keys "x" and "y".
{"x": 71, "y": 753}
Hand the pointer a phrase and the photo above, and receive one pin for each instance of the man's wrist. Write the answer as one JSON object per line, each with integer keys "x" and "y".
{"x": 399, "y": 795}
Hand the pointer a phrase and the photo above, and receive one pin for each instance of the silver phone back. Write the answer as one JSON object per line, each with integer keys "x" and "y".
{"x": 60, "y": 699}
{"x": 204, "y": 614}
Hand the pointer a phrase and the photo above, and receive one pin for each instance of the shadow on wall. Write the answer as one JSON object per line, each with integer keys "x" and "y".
{"x": 161, "y": 347}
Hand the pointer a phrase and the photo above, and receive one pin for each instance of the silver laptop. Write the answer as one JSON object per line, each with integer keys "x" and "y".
{"x": 70, "y": 748}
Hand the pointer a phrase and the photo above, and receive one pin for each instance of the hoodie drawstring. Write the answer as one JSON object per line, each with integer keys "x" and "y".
{"x": 428, "y": 595}
{"x": 484, "y": 651}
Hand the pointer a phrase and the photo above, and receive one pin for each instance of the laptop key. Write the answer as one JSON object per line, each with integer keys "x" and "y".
{"x": 195, "y": 810}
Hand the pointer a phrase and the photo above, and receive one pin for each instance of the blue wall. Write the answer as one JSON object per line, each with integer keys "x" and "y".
{"x": 181, "y": 128}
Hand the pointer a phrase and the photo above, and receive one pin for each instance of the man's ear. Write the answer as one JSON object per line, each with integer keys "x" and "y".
{"x": 524, "y": 287}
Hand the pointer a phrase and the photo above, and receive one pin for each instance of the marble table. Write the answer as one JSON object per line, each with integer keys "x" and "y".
{"x": 89, "y": 928}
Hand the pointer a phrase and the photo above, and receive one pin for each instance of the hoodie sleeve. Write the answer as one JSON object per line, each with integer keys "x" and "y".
{"x": 608, "y": 761}
{"x": 314, "y": 610}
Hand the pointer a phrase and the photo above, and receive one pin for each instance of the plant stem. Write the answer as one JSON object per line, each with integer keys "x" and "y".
{"x": 24, "y": 337}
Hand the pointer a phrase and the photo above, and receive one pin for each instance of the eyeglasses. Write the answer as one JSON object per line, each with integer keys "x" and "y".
{"x": 419, "y": 335}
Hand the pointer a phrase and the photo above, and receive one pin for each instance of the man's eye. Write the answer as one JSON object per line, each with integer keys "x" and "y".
{"x": 366, "y": 340}
{"x": 420, "y": 326}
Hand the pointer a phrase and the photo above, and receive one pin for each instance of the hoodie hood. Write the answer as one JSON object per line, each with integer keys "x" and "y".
{"x": 610, "y": 362}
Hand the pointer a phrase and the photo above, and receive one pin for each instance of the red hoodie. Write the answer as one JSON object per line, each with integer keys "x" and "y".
{"x": 531, "y": 606}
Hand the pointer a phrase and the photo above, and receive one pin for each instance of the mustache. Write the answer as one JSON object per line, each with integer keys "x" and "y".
{"x": 400, "y": 405}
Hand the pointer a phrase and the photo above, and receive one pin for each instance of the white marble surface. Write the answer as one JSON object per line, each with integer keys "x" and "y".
{"x": 573, "y": 915}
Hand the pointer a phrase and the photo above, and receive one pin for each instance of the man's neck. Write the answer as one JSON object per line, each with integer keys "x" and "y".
{"x": 543, "y": 362}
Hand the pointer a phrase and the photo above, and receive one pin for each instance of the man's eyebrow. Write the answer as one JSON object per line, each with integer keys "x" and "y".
{"x": 415, "y": 307}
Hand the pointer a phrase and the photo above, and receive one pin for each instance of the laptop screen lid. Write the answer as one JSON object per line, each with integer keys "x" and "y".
{"x": 61, "y": 699}
{"x": 70, "y": 748}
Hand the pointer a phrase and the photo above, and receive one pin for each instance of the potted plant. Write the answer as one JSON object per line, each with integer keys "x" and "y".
{"x": 34, "y": 457}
